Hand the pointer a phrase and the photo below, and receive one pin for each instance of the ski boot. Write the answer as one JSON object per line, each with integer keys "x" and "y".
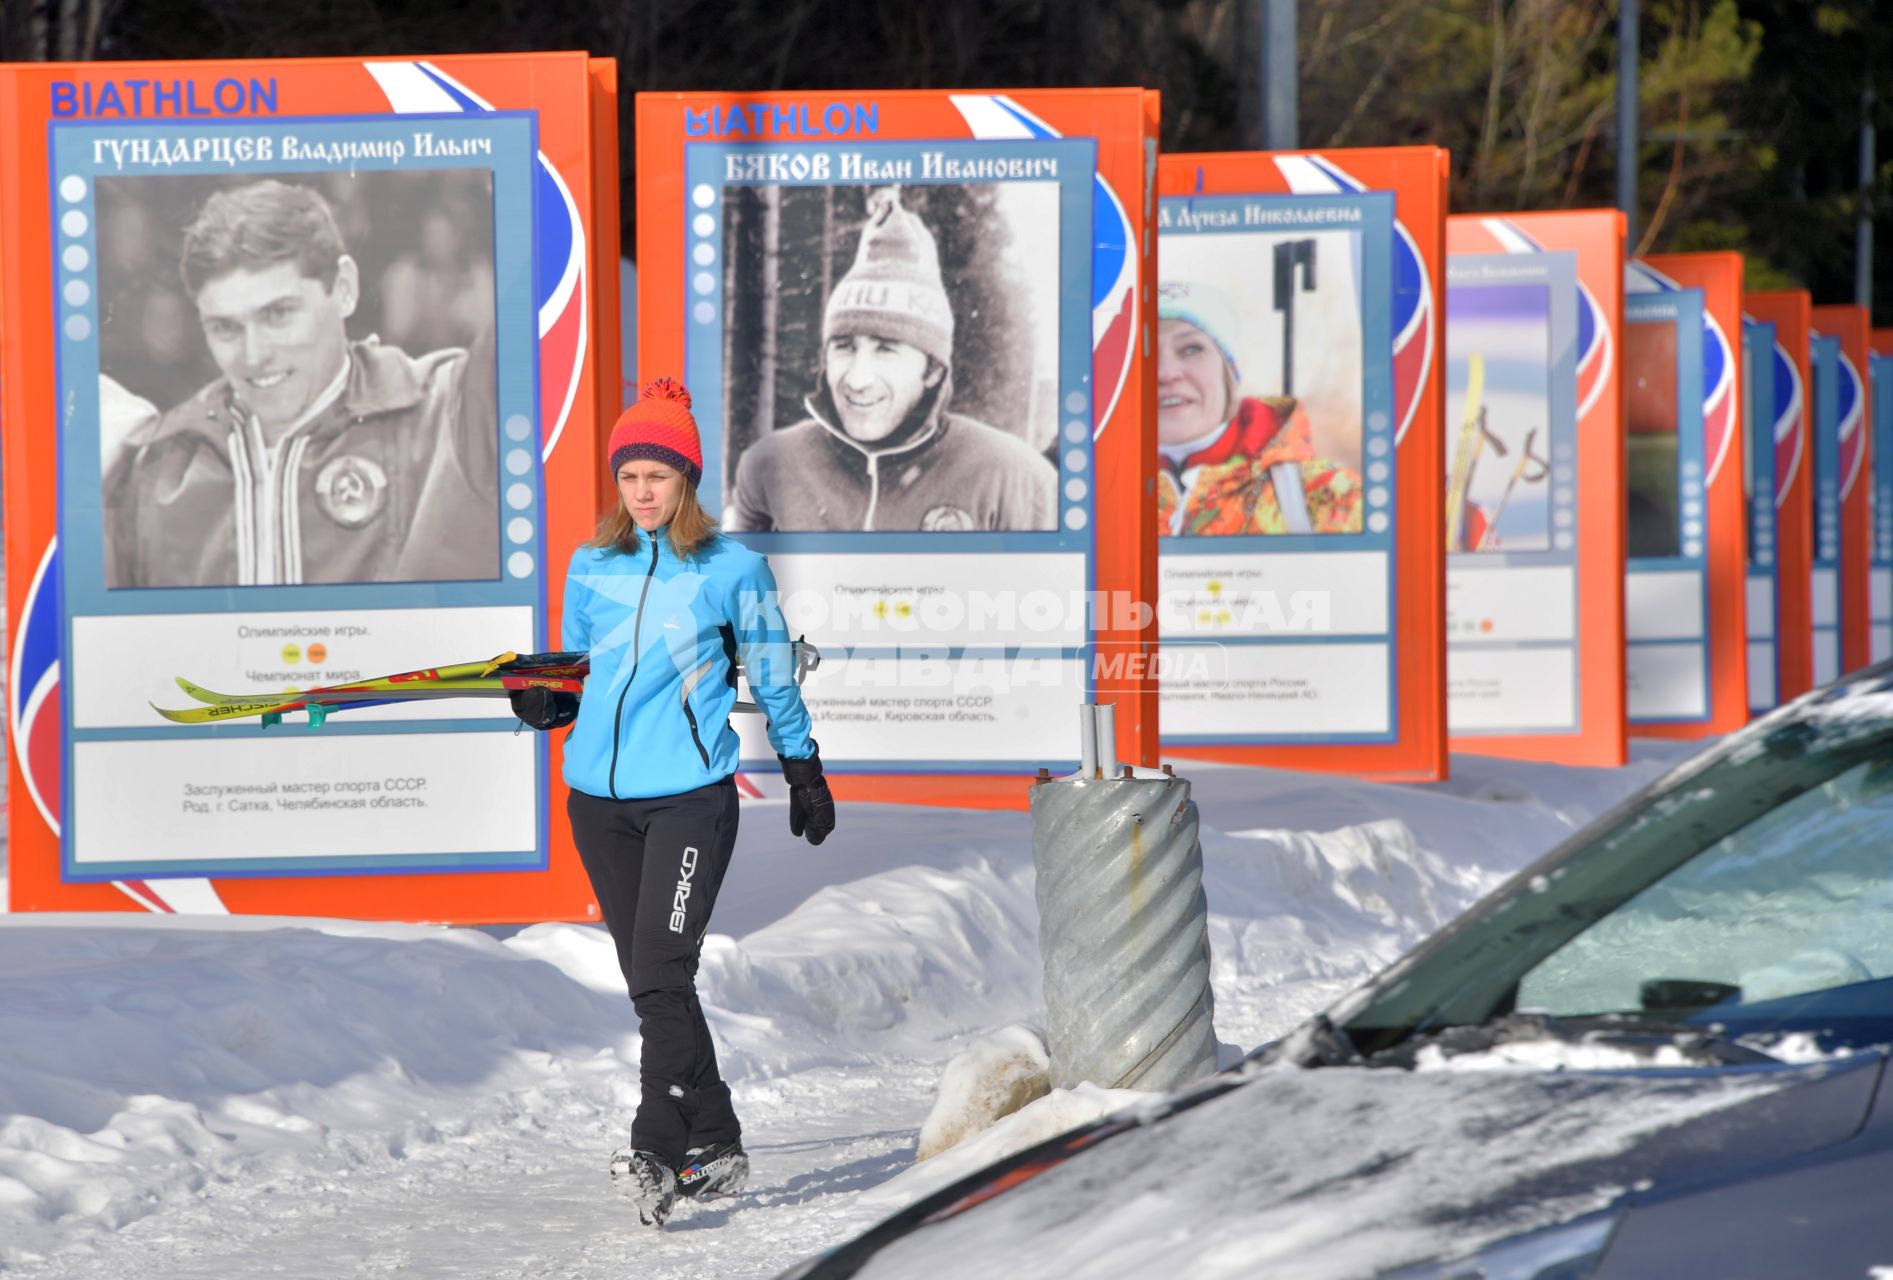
{"x": 648, "y": 1182}
{"x": 719, "y": 1169}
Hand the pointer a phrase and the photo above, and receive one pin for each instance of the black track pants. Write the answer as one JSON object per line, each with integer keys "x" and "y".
{"x": 655, "y": 866}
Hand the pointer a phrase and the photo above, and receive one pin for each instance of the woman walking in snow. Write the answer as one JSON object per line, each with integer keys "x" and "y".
{"x": 665, "y": 604}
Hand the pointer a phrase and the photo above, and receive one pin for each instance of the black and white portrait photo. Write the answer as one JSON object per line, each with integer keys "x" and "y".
{"x": 297, "y": 379}
{"x": 890, "y": 357}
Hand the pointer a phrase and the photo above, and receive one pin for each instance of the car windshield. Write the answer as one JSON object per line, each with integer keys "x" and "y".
{"x": 1754, "y": 892}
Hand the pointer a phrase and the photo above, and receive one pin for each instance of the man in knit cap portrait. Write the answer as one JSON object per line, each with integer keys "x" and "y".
{"x": 275, "y": 407}
{"x": 882, "y": 442}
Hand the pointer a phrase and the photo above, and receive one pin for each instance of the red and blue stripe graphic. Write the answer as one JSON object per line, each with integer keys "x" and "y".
{"x": 1790, "y": 437}
{"x": 1412, "y": 285}
{"x": 1718, "y": 371}
{"x": 33, "y": 712}
{"x": 1853, "y": 439}
{"x": 1113, "y": 264}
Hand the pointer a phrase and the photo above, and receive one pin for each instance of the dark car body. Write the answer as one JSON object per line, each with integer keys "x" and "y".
{"x": 1701, "y": 973}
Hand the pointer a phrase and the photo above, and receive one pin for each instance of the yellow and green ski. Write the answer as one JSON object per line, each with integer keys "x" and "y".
{"x": 491, "y": 678}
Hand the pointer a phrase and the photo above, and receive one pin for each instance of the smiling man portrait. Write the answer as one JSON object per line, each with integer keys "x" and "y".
{"x": 312, "y": 458}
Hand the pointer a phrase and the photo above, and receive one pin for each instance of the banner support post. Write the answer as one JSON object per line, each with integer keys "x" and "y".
{"x": 1863, "y": 232}
{"x": 1281, "y": 87}
{"x": 1628, "y": 131}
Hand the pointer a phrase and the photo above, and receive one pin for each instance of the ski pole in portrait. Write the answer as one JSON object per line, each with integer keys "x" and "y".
{"x": 1294, "y": 273}
{"x": 1531, "y": 468}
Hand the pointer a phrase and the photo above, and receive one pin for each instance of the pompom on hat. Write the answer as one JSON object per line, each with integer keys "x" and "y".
{"x": 659, "y": 427}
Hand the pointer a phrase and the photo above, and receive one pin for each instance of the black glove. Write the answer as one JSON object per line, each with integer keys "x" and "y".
{"x": 811, "y": 807}
{"x": 542, "y": 709}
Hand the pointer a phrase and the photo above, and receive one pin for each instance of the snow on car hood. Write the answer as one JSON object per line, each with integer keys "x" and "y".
{"x": 1349, "y": 1172}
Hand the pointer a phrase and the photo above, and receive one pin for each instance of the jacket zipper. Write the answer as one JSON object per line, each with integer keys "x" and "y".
{"x": 637, "y": 653}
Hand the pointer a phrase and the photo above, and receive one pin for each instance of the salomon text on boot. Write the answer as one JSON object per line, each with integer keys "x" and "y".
{"x": 719, "y": 1169}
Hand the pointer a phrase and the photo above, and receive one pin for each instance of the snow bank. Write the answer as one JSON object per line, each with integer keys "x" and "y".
{"x": 984, "y": 1083}
{"x": 140, "y": 1062}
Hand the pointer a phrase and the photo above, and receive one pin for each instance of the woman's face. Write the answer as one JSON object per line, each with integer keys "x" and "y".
{"x": 1192, "y": 383}
{"x": 651, "y": 492}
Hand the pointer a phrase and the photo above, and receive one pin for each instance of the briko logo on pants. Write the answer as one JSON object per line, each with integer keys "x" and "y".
{"x": 681, "y": 899}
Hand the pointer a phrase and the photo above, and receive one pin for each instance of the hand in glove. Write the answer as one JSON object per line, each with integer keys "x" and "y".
{"x": 543, "y": 709}
{"x": 811, "y": 807}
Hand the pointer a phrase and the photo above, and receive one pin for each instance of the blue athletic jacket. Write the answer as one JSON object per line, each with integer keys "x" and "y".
{"x": 664, "y": 635}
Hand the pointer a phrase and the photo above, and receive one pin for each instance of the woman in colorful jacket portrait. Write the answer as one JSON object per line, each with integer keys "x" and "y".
{"x": 1230, "y": 463}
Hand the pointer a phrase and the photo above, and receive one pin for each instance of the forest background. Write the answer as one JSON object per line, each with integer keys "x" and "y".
{"x": 1750, "y": 110}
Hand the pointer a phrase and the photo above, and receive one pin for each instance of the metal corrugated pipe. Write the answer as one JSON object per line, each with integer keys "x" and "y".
{"x": 1123, "y": 931}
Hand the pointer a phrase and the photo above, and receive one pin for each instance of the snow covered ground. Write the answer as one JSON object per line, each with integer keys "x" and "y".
{"x": 197, "y": 1096}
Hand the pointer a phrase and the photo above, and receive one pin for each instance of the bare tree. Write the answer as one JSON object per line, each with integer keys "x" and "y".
{"x": 52, "y": 30}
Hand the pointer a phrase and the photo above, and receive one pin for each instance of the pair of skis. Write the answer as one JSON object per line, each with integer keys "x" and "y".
{"x": 493, "y": 678}
{"x": 497, "y": 677}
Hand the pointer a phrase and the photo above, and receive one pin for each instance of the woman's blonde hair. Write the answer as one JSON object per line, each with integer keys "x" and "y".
{"x": 691, "y": 529}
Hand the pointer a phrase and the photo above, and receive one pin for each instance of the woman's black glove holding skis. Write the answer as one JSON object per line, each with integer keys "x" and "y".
{"x": 543, "y": 709}
{"x": 811, "y": 807}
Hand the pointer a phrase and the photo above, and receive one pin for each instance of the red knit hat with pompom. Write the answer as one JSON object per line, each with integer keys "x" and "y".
{"x": 659, "y": 427}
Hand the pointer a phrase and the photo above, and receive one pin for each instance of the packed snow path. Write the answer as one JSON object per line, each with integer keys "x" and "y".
{"x": 515, "y": 1188}
{"x": 185, "y": 1097}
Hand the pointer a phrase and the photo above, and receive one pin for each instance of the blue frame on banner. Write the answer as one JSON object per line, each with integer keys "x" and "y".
{"x": 1880, "y": 583}
{"x": 1824, "y": 374}
{"x": 1370, "y": 215}
{"x": 1758, "y": 485}
{"x": 1553, "y": 273}
{"x": 504, "y": 142}
{"x": 1682, "y": 310}
{"x": 1070, "y": 163}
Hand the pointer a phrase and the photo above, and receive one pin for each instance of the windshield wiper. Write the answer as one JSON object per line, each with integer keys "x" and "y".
{"x": 1692, "y": 1038}
{"x": 1629, "y": 1031}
